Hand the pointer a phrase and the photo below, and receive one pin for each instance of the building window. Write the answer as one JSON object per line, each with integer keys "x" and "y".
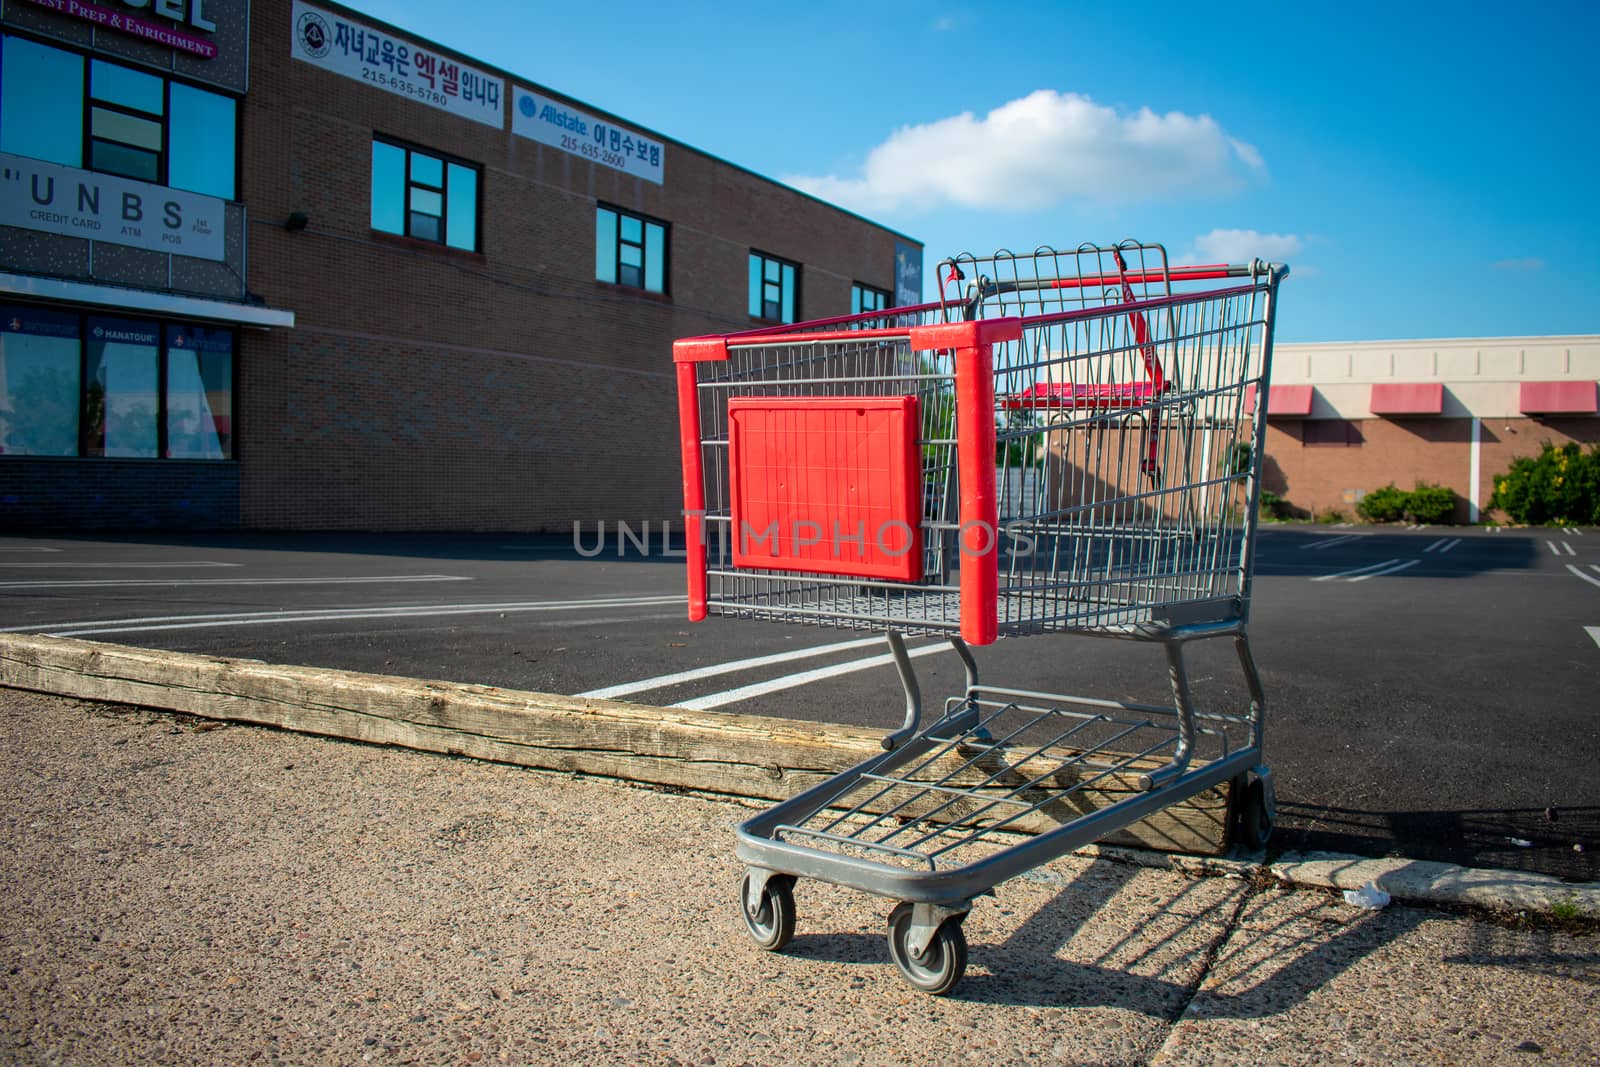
{"x": 424, "y": 195}
{"x": 121, "y": 387}
{"x": 105, "y": 117}
{"x": 105, "y": 386}
{"x": 40, "y": 368}
{"x": 1330, "y": 433}
{"x": 199, "y": 393}
{"x": 774, "y": 288}
{"x": 866, "y": 298}
{"x": 630, "y": 250}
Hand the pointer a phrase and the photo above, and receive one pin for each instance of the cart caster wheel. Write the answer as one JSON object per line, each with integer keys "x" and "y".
{"x": 939, "y": 968}
{"x": 1255, "y": 816}
{"x": 771, "y": 924}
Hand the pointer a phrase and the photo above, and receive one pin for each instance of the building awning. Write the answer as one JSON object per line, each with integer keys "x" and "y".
{"x": 1557, "y": 398}
{"x": 1408, "y": 398}
{"x": 87, "y": 294}
{"x": 1283, "y": 401}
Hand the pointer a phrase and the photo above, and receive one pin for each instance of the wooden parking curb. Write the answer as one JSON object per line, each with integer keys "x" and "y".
{"x": 740, "y": 755}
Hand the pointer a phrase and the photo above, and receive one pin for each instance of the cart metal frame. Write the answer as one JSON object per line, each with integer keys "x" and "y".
{"x": 1065, "y": 442}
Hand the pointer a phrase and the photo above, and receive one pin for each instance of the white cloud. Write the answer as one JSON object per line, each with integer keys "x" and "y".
{"x": 1241, "y": 246}
{"x": 1038, "y": 151}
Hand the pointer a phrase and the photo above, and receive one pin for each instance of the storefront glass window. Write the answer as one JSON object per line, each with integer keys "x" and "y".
{"x": 120, "y": 388}
{"x": 41, "y": 102}
{"x": 38, "y": 382}
{"x": 199, "y": 393}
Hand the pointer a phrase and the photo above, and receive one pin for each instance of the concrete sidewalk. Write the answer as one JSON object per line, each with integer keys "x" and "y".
{"x": 187, "y": 891}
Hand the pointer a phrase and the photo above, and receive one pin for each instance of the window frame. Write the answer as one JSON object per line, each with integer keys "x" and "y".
{"x": 446, "y": 160}
{"x": 858, "y": 290}
{"x": 88, "y": 103}
{"x": 645, "y": 222}
{"x": 765, "y": 258}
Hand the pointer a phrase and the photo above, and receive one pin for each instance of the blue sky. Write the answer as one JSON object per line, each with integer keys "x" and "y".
{"x": 1428, "y": 170}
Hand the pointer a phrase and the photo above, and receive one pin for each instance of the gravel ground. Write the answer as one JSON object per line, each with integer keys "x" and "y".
{"x": 180, "y": 891}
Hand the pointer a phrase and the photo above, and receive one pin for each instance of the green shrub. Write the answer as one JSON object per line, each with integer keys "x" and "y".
{"x": 1330, "y": 516}
{"x": 1383, "y": 505}
{"x": 1274, "y": 506}
{"x": 1430, "y": 504}
{"x": 1558, "y": 487}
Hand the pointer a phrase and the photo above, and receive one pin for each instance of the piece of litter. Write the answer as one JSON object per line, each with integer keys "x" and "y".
{"x": 1520, "y": 842}
{"x": 1369, "y": 897}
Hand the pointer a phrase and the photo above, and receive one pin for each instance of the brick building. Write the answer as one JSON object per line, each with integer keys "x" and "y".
{"x": 1344, "y": 419}
{"x": 280, "y": 265}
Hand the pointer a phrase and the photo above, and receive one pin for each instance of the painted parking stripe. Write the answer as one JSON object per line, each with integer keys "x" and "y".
{"x": 664, "y": 680}
{"x": 91, "y": 583}
{"x": 283, "y": 615}
{"x": 1568, "y": 546}
{"x": 1391, "y": 570}
{"x": 790, "y": 681}
{"x": 1355, "y": 570}
{"x": 1585, "y": 577}
{"x": 1554, "y": 551}
{"x": 1594, "y": 632}
{"x": 1329, "y": 542}
{"x": 128, "y": 566}
{"x": 1443, "y": 545}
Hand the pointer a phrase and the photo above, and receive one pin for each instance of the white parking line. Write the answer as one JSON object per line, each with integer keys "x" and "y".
{"x": 1594, "y": 632}
{"x": 90, "y": 583}
{"x": 1355, "y": 570}
{"x": 283, "y": 615}
{"x": 790, "y": 681}
{"x": 664, "y": 680}
{"x": 1554, "y": 551}
{"x": 1443, "y": 545}
{"x": 1568, "y": 546}
{"x": 1329, "y": 542}
{"x": 127, "y": 566}
{"x": 1585, "y": 577}
{"x": 1572, "y": 530}
{"x": 1391, "y": 570}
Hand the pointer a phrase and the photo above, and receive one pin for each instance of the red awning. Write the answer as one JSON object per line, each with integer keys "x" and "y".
{"x": 1283, "y": 401}
{"x": 1408, "y": 398}
{"x": 1558, "y": 398}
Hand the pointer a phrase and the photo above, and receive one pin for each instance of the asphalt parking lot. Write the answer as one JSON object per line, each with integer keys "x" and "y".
{"x": 1431, "y": 691}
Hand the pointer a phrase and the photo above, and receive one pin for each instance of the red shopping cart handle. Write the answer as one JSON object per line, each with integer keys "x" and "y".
{"x": 1058, "y": 395}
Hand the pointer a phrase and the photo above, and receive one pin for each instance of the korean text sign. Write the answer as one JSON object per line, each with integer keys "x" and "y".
{"x": 335, "y": 43}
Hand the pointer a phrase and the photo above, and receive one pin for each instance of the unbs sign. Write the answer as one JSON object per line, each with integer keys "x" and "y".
{"x": 101, "y": 207}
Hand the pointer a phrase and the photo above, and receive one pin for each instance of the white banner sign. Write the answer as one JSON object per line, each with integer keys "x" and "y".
{"x": 542, "y": 119}
{"x": 334, "y": 43}
{"x": 103, "y": 207}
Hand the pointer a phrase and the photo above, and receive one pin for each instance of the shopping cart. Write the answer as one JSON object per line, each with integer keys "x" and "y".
{"x": 1064, "y": 442}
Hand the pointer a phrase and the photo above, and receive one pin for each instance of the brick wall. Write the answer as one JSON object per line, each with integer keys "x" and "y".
{"x": 1314, "y": 475}
{"x": 52, "y": 493}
